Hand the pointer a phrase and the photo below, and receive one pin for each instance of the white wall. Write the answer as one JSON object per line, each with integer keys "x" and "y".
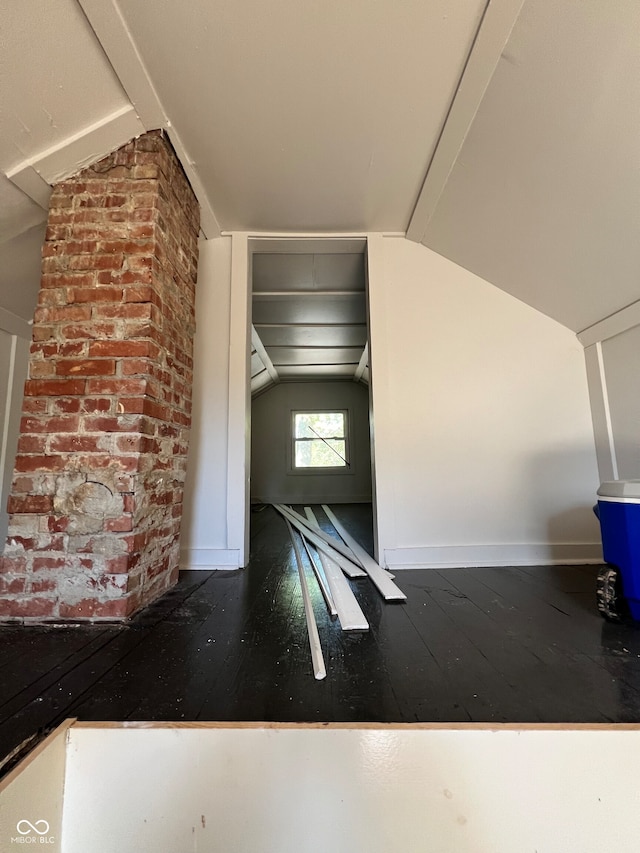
{"x": 15, "y": 338}
{"x": 204, "y": 524}
{"x": 612, "y": 350}
{"x": 483, "y": 438}
{"x": 272, "y": 480}
{"x": 484, "y": 447}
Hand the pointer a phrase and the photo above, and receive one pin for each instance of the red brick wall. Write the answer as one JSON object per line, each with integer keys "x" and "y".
{"x": 96, "y": 499}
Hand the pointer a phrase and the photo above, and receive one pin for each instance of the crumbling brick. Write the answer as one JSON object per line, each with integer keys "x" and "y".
{"x": 97, "y": 493}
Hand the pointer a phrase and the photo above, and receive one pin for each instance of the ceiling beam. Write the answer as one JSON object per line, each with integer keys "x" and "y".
{"x": 281, "y": 356}
{"x": 264, "y": 357}
{"x": 310, "y": 325}
{"x": 495, "y": 28}
{"x": 111, "y": 30}
{"x": 362, "y": 365}
{"x": 260, "y": 383}
{"x": 306, "y": 244}
{"x": 268, "y": 295}
{"x": 35, "y": 175}
{"x": 327, "y": 372}
{"x": 623, "y": 320}
{"x": 25, "y": 176}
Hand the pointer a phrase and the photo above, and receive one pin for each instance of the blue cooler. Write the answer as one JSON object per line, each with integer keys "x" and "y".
{"x": 619, "y": 513}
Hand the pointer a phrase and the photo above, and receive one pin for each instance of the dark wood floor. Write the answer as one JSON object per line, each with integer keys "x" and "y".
{"x": 487, "y": 645}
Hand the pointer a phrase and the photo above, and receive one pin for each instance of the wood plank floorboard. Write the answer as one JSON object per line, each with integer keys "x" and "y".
{"x": 540, "y": 670}
{"x": 484, "y": 645}
{"x": 483, "y": 690}
{"x": 564, "y": 643}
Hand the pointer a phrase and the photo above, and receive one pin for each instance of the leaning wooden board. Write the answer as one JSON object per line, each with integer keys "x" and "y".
{"x": 346, "y": 565}
{"x": 318, "y": 531}
{"x": 387, "y": 588}
{"x": 349, "y": 611}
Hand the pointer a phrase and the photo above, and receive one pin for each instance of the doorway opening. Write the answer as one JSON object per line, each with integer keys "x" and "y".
{"x": 309, "y": 409}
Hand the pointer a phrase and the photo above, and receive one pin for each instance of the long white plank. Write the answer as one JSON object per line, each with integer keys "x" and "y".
{"x": 347, "y": 566}
{"x": 349, "y": 611}
{"x": 319, "y": 670}
{"x": 328, "y": 538}
{"x": 322, "y": 583}
{"x": 337, "y": 544}
{"x": 380, "y": 578}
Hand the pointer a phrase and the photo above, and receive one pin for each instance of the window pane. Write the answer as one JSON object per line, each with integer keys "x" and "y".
{"x": 324, "y": 424}
{"x": 330, "y": 453}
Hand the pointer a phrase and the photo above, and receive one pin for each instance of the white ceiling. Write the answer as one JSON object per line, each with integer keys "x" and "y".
{"x": 309, "y": 317}
{"x": 321, "y": 115}
{"x": 544, "y": 199}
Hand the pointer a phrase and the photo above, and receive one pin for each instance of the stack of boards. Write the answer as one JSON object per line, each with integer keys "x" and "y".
{"x": 333, "y": 559}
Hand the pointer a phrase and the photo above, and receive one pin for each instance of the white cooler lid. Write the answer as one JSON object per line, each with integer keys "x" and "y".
{"x": 620, "y": 489}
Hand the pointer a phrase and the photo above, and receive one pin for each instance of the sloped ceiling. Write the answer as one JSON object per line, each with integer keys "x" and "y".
{"x": 56, "y": 83}
{"x": 310, "y": 115}
{"x": 506, "y": 141}
{"x": 544, "y": 198}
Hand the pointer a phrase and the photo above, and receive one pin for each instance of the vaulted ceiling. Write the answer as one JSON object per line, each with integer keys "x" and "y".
{"x": 503, "y": 135}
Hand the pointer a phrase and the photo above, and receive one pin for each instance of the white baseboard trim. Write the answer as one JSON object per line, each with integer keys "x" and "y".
{"x": 206, "y": 559}
{"x": 485, "y": 556}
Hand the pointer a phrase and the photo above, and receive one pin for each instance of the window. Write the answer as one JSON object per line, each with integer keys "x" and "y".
{"x": 320, "y": 441}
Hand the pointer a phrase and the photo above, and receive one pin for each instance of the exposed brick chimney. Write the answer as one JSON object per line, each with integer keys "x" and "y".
{"x": 96, "y": 500}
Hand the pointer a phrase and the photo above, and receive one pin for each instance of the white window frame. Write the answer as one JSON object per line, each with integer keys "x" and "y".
{"x": 338, "y": 469}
